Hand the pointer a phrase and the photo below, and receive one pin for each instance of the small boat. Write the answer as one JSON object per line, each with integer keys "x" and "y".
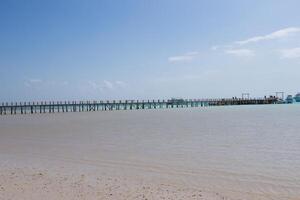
{"x": 289, "y": 99}
{"x": 297, "y": 97}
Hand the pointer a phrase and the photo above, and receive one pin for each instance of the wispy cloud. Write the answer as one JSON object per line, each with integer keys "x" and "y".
{"x": 106, "y": 85}
{"x": 120, "y": 84}
{"x": 282, "y": 33}
{"x": 240, "y": 52}
{"x": 205, "y": 75}
{"x": 39, "y": 83}
{"x": 184, "y": 58}
{"x": 235, "y": 47}
{"x": 94, "y": 86}
{"x": 31, "y": 82}
{"x": 218, "y": 47}
{"x": 290, "y": 53}
{"x": 215, "y": 47}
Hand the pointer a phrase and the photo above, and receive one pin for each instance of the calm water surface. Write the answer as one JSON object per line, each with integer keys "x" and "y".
{"x": 252, "y": 152}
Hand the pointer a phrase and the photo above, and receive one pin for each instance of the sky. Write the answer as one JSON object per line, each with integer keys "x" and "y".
{"x": 148, "y": 49}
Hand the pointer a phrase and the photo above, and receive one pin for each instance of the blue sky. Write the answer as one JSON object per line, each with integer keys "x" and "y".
{"x": 128, "y": 49}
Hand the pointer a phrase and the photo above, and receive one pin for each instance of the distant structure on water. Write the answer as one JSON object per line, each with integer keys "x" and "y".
{"x": 290, "y": 99}
{"x": 297, "y": 97}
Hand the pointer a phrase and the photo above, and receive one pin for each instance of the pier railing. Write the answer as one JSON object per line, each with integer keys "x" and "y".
{"x": 86, "y": 106}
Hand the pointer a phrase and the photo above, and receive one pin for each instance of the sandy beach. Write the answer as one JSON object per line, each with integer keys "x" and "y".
{"x": 36, "y": 183}
{"x": 143, "y": 155}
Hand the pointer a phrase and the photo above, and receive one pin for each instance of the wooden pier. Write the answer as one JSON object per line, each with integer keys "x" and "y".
{"x": 86, "y": 106}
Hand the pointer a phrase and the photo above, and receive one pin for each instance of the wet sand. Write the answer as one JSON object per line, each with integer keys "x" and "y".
{"x": 215, "y": 153}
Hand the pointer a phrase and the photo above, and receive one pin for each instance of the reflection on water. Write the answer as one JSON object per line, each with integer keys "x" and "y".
{"x": 252, "y": 151}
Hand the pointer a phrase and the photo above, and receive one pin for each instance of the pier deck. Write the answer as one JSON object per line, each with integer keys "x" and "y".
{"x": 86, "y": 106}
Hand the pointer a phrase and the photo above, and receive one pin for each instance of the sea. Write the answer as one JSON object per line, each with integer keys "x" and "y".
{"x": 246, "y": 152}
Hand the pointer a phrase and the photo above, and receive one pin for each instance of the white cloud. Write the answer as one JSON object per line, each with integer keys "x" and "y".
{"x": 290, "y": 53}
{"x": 283, "y": 33}
{"x": 94, "y": 86}
{"x": 184, "y": 58}
{"x": 35, "y": 80}
{"x": 215, "y": 47}
{"x": 240, "y": 52}
{"x": 31, "y": 82}
{"x": 39, "y": 83}
{"x": 121, "y": 84}
{"x": 106, "y": 85}
{"x": 205, "y": 75}
{"x": 219, "y": 47}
